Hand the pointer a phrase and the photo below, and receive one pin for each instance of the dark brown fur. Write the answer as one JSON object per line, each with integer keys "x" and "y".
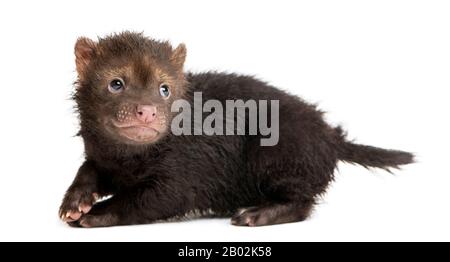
{"x": 228, "y": 175}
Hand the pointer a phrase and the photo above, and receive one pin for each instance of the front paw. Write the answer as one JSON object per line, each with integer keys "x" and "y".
{"x": 76, "y": 202}
{"x": 102, "y": 214}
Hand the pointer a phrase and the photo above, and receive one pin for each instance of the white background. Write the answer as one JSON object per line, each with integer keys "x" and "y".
{"x": 380, "y": 68}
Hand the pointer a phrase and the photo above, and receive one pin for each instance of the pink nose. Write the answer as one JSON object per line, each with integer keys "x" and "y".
{"x": 146, "y": 113}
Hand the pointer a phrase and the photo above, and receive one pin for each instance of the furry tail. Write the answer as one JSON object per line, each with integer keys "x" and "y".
{"x": 369, "y": 156}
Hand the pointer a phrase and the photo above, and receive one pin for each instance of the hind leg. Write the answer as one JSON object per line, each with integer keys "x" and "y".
{"x": 272, "y": 214}
{"x": 289, "y": 193}
{"x": 289, "y": 179}
{"x": 288, "y": 196}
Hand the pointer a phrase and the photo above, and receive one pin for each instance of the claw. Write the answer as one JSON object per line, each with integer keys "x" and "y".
{"x": 84, "y": 208}
{"x": 96, "y": 196}
{"x": 73, "y": 215}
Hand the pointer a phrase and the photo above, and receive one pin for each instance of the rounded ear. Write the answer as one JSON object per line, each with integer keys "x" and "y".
{"x": 84, "y": 51}
{"x": 179, "y": 56}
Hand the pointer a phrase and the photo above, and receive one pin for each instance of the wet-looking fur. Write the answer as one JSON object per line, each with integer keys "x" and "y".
{"x": 153, "y": 175}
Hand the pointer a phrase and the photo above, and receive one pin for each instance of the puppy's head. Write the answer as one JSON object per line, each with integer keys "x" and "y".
{"x": 126, "y": 85}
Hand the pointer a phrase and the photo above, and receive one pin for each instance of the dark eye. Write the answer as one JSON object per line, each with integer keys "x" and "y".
{"x": 164, "y": 90}
{"x": 116, "y": 86}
